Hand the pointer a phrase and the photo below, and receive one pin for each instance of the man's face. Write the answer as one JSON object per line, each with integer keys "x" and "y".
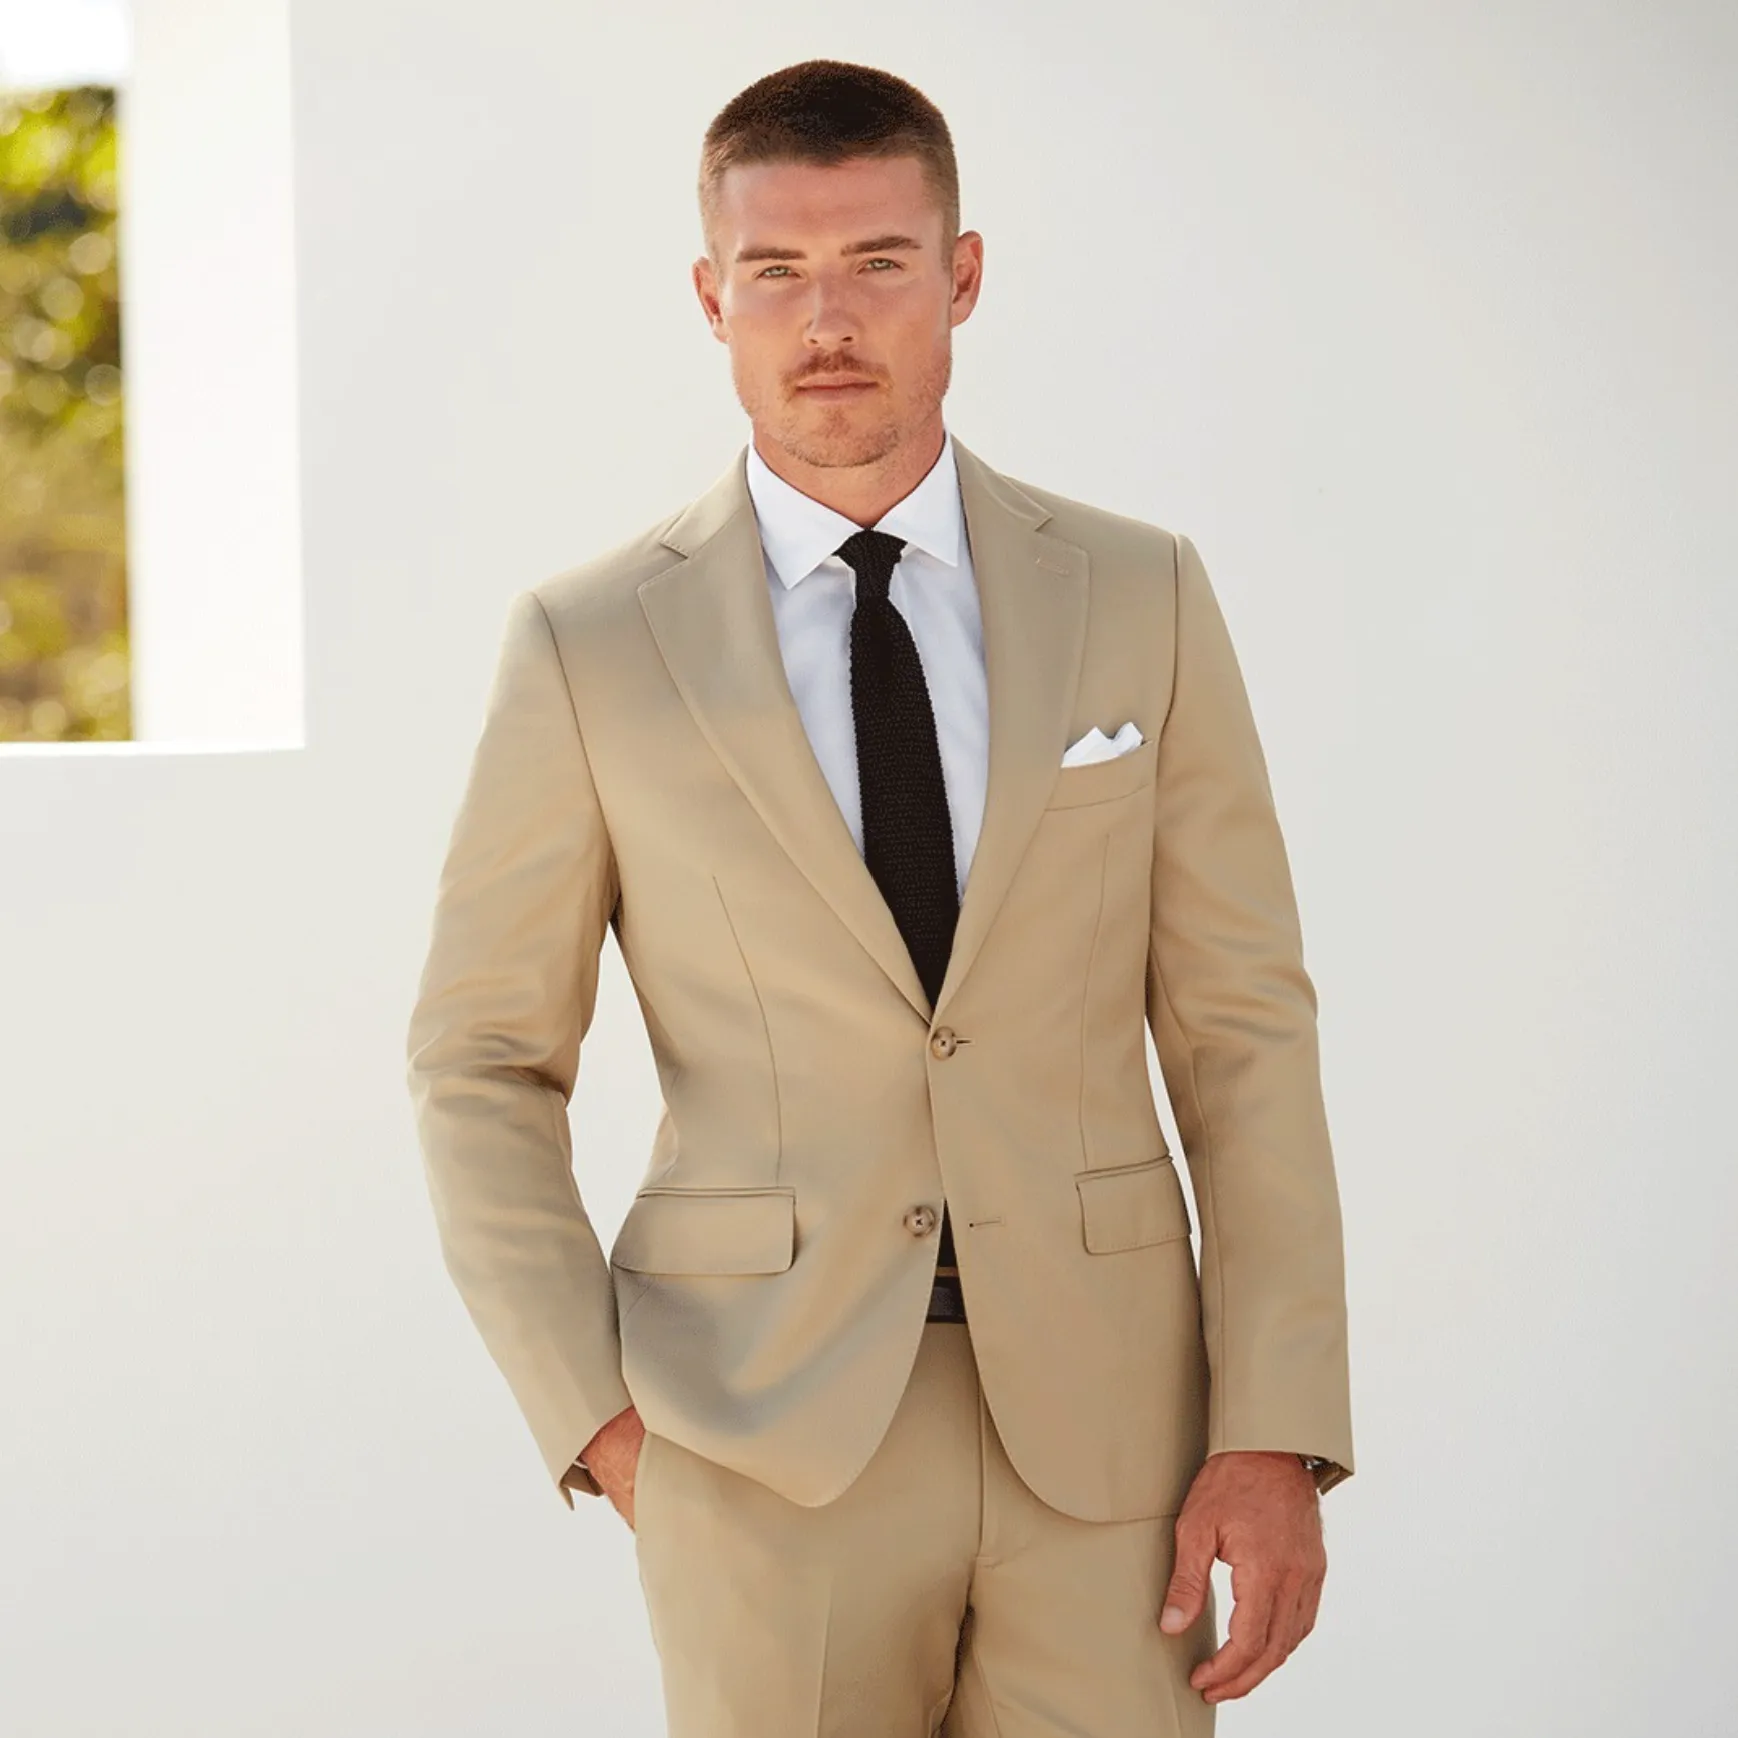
{"x": 835, "y": 273}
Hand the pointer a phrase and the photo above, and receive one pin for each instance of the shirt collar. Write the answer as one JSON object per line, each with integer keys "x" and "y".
{"x": 798, "y": 532}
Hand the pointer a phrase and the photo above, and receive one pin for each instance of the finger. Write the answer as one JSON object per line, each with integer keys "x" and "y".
{"x": 1245, "y": 1680}
{"x": 1186, "y": 1593}
{"x": 1286, "y": 1630}
{"x": 1246, "y": 1631}
{"x": 1281, "y": 1640}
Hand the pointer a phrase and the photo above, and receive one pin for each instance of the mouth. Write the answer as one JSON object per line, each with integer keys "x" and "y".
{"x": 843, "y": 388}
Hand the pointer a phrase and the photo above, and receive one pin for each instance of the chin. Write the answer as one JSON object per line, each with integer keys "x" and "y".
{"x": 840, "y": 444}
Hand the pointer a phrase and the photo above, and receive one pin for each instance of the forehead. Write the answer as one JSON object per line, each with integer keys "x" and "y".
{"x": 787, "y": 203}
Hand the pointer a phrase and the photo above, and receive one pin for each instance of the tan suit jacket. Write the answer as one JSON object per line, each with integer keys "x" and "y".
{"x": 642, "y": 767}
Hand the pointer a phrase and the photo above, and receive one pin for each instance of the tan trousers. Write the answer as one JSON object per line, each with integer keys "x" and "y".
{"x": 937, "y": 1595}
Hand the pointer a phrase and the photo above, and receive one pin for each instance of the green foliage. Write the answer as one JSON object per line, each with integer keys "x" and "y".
{"x": 63, "y": 618}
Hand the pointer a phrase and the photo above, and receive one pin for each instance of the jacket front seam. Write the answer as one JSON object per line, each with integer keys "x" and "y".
{"x": 778, "y": 1131}
{"x": 1086, "y": 1001}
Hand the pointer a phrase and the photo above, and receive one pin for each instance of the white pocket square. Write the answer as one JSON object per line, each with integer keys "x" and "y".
{"x": 1095, "y": 745}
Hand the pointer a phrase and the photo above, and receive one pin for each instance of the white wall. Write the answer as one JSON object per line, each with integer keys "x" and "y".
{"x": 1420, "y": 327}
{"x": 215, "y": 573}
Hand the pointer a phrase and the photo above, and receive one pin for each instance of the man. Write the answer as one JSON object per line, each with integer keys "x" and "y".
{"x": 912, "y": 794}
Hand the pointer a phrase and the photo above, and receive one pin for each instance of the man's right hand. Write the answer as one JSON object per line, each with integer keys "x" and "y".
{"x": 612, "y": 1457}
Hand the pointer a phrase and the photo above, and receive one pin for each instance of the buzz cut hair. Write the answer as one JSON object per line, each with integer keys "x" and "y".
{"x": 826, "y": 112}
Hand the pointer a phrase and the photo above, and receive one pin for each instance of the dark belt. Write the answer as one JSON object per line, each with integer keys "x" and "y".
{"x": 947, "y": 1301}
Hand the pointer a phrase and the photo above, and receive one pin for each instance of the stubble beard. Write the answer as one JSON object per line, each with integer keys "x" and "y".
{"x": 842, "y": 437}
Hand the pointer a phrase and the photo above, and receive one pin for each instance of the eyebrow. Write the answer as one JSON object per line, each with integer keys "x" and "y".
{"x": 893, "y": 243}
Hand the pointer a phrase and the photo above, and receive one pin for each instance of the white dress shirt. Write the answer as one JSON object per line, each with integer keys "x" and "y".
{"x": 933, "y": 587}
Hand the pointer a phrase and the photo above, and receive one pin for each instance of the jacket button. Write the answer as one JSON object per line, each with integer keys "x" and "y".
{"x": 943, "y": 1042}
{"x": 920, "y": 1221}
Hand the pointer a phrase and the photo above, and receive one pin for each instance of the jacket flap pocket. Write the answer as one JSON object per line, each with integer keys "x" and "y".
{"x": 708, "y": 1231}
{"x": 1129, "y": 1206}
{"x": 1098, "y": 781}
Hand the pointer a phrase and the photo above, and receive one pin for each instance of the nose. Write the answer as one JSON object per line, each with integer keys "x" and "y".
{"x": 833, "y": 321}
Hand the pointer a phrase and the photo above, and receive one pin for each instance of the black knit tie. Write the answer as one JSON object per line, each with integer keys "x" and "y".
{"x": 907, "y": 831}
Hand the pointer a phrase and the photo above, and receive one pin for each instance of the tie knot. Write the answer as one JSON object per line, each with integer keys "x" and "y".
{"x": 872, "y": 556}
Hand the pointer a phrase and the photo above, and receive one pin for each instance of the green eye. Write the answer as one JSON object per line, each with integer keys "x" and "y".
{"x": 878, "y": 260}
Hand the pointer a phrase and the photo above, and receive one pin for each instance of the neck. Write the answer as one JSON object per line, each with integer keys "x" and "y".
{"x": 861, "y": 492}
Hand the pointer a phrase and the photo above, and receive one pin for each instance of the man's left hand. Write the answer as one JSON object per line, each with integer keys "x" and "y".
{"x": 1259, "y": 1511}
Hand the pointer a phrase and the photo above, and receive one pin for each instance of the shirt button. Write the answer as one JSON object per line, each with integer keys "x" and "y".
{"x": 920, "y": 1221}
{"x": 943, "y": 1042}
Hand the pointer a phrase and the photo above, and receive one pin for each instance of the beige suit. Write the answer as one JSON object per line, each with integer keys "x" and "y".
{"x": 642, "y": 766}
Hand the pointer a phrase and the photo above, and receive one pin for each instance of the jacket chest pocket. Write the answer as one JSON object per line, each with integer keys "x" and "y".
{"x": 1103, "y": 781}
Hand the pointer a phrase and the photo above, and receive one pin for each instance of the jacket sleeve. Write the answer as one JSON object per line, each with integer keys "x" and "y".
{"x": 1233, "y": 1014}
{"x": 506, "y": 997}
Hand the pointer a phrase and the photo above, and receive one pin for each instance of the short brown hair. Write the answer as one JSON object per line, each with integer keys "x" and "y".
{"x": 825, "y": 112}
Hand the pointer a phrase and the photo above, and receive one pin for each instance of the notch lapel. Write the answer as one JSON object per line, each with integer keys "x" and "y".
{"x": 712, "y": 619}
{"x": 1032, "y": 592}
